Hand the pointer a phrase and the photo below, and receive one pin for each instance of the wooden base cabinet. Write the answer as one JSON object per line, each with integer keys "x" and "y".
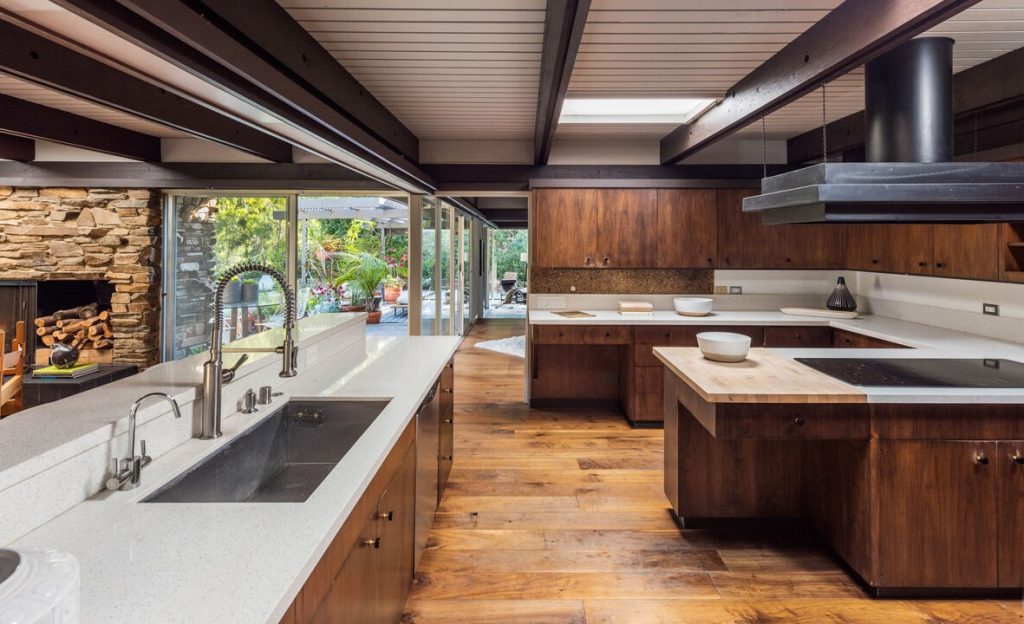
{"x": 446, "y": 429}
{"x": 1009, "y": 469}
{"x": 374, "y": 581}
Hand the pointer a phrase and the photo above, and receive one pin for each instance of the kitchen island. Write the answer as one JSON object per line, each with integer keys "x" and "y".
{"x": 918, "y": 490}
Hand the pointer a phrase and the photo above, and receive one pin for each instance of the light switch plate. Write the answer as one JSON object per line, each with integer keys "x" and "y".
{"x": 735, "y": 290}
{"x": 721, "y": 290}
{"x": 550, "y": 303}
{"x": 991, "y": 309}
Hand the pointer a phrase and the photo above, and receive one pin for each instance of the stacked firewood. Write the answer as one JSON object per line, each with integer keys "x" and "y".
{"x": 82, "y": 327}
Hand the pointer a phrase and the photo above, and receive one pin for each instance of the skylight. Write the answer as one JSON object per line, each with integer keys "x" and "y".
{"x": 639, "y": 111}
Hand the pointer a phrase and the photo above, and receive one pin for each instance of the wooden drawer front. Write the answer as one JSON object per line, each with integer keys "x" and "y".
{"x": 797, "y": 337}
{"x": 681, "y": 336}
{"x": 793, "y": 422}
{"x": 842, "y": 339}
{"x": 583, "y": 334}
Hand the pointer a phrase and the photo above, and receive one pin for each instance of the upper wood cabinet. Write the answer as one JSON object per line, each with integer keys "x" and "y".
{"x": 627, "y": 221}
{"x": 687, "y": 228}
{"x": 966, "y": 251}
{"x": 744, "y": 242}
{"x": 908, "y": 248}
{"x": 741, "y": 235}
{"x": 866, "y": 246}
{"x": 565, "y": 228}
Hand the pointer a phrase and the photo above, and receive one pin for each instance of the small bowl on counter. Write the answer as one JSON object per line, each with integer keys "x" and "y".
{"x": 723, "y": 346}
{"x": 693, "y": 306}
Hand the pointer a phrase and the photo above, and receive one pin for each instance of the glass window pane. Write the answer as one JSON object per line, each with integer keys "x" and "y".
{"x": 429, "y": 313}
{"x": 236, "y": 230}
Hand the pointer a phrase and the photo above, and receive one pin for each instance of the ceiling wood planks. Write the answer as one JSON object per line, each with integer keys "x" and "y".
{"x": 36, "y": 59}
{"x": 563, "y": 31}
{"x": 268, "y": 25}
{"x": 994, "y": 83}
{"x": 34, "y": 121}
{"x": 845, "y": 38}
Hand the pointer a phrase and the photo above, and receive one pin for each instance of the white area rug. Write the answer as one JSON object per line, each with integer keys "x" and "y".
{"x": 513, "y": 345}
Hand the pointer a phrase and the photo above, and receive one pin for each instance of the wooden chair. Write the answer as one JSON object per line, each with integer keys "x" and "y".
{"x": 12, "y": 372}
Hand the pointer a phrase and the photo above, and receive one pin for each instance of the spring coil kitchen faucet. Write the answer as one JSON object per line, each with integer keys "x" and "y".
{"x": 214, "y": 375}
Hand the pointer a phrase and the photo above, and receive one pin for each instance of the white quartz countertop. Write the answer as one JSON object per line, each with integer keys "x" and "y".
{"x": 666, "y": 317}
{"x": 236, "y": 562}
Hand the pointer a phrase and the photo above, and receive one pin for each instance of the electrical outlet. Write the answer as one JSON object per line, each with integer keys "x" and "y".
{"x": 992, "y": 309}
{"x": 721, "y": 290}
{"x": 735, "y": 290}
{"x": 572, "y": 289}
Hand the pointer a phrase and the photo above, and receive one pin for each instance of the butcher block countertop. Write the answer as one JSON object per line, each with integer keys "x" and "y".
{"x": 764, "y": 377}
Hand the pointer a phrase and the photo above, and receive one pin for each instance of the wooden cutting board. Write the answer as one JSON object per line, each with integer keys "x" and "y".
{"x": 825, "y": 313}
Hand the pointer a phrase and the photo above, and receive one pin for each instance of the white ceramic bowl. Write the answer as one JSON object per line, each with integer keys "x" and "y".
{"x": 723, "y": 346}
{"x": 693, "y": 306}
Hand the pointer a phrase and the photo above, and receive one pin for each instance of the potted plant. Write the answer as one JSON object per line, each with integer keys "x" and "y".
{"x": 364, "y": 272}
{"x": 250, "y": 291}
{"x": 233, "y": 291}
{"x": 392, "y": 288}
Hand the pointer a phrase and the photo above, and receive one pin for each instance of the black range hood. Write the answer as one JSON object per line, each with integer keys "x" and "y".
{"x": 909, "y": 176}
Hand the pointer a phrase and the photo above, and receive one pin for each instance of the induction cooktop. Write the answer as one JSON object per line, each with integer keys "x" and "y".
{"x": 922, "y": 372}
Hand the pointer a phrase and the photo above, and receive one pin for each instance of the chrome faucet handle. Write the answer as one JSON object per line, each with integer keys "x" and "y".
{"x": 145, "y": 458}
{"x": 228, "y": 374}
{"x": 249, "y": 402}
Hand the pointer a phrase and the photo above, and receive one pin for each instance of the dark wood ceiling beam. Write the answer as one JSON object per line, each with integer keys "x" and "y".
{"x": 239, "y": 67}
{"x": 17, "y": 148}
{"x": 34, "y": 121}
{"x": 256, "y": 176}
{"x": 39, "y": 60}
{"x": 563, "y": 30}
{"x": 475, "y": 177}
{"x": 989, "y": 90}
{"x": 266, "y": 24}
{"x": 848, "y": 36}
{"x": 506, "y": 215}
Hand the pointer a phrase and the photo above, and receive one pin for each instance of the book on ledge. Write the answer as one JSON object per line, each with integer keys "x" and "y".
{"x": 52, "y": 372}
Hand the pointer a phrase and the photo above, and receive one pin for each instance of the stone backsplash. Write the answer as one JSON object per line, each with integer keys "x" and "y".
{"x": 91, "y": 234}
{"x": 624, "y": 281}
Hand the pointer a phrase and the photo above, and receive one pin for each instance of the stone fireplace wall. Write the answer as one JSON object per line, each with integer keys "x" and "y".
{"x": 91, "y": 234}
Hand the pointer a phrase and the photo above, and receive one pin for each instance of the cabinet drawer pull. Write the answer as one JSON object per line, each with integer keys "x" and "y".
{"x": 922, "y": 264}
{"x": 1018, "y": 457}
{"x": 940, "y": 264}
{"x": 373, "y": 543}
{"x": 448, "y": 390}
{"x": 386, "y": 515}
{"x": 445, "y": 457}
{"x": 448, "y": 421}
{"x": 981, "y": 459}
{"x": 799, "y": 421}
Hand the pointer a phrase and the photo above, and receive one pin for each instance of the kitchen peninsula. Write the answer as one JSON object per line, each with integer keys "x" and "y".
{"x": 920, "y": 490}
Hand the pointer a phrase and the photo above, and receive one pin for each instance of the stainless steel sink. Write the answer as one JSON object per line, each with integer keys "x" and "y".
{"x": 283, "y": 459}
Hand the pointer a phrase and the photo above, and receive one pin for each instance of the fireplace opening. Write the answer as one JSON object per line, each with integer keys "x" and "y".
{"x": 74, "y": 313}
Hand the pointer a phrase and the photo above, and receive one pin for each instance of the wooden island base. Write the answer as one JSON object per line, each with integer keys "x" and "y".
{"x": 917, "y": 499}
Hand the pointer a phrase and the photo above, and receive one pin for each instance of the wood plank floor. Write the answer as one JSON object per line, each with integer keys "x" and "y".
{"x": 558, "y": 516}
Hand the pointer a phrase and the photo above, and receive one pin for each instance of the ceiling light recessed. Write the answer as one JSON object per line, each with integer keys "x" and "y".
{"x": 632, "y": 110}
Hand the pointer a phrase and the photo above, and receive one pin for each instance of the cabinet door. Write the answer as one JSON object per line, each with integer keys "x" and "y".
{"x": 804, "y": 246}
{"x": 842, "y": 339}
{"x": 446, "y": 439}
{"x": 397, "y": 517}
{"x": 865, "y": 247}
{"x": 627, "y": 228}
{"x": 909, "y": 248}
{"x": 649, "y": 394}
{"x": 428, "y": 426}
{"x": 564, "y": 228}
{"x": 937, "y": 506}
{"x": 687, "y": 230}
{"x": 1010, "y": 464}
{"x": 353, "y": 597}
{"x": 742, "y": 238}
{"x": 966, "y": 251}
